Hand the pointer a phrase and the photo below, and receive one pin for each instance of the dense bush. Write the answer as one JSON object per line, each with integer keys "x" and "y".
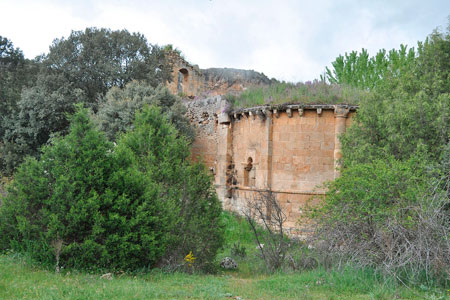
{"x": 389, "y": 209}
{"x": 388, "y": 216}
{"x": 89, "y": 205}
{"x": 185, "y": 186}
{"x": 117, "y": 112}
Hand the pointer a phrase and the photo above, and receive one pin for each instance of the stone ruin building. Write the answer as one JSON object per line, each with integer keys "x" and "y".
{"x": 290, "y": 149}
{"x": 190, "y": 81}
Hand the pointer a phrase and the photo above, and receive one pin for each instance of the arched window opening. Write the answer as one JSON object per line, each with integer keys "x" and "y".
{"x": 249, "y": 173}
{"x": 182, "y": 82}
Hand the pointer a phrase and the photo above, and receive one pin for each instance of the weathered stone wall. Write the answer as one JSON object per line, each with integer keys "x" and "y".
{"x": 290, "y": 150}
{"x": 190, "y": 81}
{"x": 202, "y": 114}
{"x": 187, "y": 79}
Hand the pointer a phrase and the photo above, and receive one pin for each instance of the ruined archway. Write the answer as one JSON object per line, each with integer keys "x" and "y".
{"x": 183, "y": 77}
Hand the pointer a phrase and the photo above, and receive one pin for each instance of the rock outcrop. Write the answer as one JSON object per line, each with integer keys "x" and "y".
{"x": 228, "y": 263}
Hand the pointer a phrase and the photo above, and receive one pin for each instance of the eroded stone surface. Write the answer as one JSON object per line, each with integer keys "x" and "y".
{"x": 190, "y": 81}
{"x": 293, "y": 150}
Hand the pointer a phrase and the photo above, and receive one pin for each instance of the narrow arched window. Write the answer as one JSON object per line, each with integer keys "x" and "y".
{"x": 249, "y": 173}
{"x": 183, "y": 76}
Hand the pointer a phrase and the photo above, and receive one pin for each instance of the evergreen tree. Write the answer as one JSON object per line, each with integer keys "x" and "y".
{"x": 89, "y": 205}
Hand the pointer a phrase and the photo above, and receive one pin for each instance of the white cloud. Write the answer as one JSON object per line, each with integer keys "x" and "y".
{"x": 289, "y": 40}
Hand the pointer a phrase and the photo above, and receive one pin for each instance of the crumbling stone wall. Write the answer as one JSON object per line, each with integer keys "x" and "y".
{"x": 290, "y": 150}
{"x": 190, "y": 81}
{"x": 187, "y": 79}
{"x": 203, "y": 113}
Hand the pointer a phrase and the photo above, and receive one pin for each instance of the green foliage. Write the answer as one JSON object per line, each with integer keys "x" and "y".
{"x": 408, "y": 113}
{"x": 360, "y": 71}
{"x": 16, "y": 72}
{"x": 371, "y": 193}
{"x": 116, "y": 114}
{"x": 81, "y": 68}
{"x": 317, "y": 92}
{"x": 239, "y": 250}
{"x": 389, "y": 209}
{"x": 95, "y": 60}
{"x": 113, "y": 208}
{"x": 194, "y": 208}
{"x": 41, "y": 111}
{"x": 106, "y": 214}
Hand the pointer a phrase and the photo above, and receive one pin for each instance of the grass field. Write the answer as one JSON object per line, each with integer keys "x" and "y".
{"x": 20, "y": 278}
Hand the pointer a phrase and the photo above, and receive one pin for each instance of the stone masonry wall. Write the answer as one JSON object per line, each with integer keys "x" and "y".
{"x": 290, "y": 150}
{"x": 190, "y": 81}
{"x": 202, "y": 114}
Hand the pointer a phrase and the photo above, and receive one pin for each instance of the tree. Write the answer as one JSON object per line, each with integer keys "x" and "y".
{"x": 390, "y": 207}
{"x": 103, "y": 212}
{"x": 16, "y": 72}
{"x": 361, "y": 71}
{"x": 117, "y": 113}
{"x": 41, "y": 112}
{"x": 87, "y": 204}
{"x": 406, "y": 113}
{"x": 96, "y": 60}
{"x": 81, "y": 68}
{"x": 194, "y": 208}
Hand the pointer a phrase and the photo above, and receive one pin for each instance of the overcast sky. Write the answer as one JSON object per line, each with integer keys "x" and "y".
{"x": 288, "y": 40}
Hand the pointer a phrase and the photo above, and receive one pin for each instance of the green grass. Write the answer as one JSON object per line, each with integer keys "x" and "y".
{"x": 21, "y": 278}
{"x": 306, "y": 93}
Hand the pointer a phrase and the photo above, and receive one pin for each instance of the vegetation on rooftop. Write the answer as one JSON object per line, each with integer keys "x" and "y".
{"x": 315, "y": 92}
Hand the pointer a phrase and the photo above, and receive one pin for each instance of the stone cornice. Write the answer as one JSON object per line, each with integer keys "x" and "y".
{"x": 290, "y": 109}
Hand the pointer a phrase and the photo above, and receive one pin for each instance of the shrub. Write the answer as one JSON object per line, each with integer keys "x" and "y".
{"x": 88, "y": 205}
{"x": 186, "y": 188}
{"x": 383, "y": 215}
{"x": 117, "y": 113}
{"x": 106, "y": 214}
{"x": 267, "y": 220}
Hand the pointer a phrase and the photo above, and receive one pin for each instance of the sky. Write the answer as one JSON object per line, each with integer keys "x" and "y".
{"x": 288, "y": 40}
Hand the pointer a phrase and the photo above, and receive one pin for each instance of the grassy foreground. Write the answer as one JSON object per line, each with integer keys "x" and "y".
{"x": 21, "y": 278}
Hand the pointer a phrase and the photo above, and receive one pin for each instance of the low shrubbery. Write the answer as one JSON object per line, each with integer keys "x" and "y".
{"x": 89, "y": 205}
{"x": 316, "y": 92}
{"x": 384, "y": 215}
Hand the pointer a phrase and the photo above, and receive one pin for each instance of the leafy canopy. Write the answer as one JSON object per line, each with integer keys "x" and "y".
{"x": 116, "y": 114}
{"x": 78, "y": 69}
